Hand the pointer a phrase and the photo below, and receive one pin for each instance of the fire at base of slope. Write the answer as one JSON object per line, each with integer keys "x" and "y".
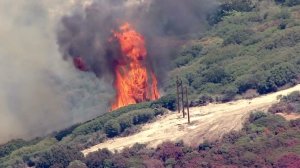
{"x": 134, "y": 83}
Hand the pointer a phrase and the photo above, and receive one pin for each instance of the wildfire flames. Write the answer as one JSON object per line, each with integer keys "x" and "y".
{"x": 134, "y": 83}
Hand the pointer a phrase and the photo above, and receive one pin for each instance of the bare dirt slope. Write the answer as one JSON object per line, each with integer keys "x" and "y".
{"x": 207, "y": 123}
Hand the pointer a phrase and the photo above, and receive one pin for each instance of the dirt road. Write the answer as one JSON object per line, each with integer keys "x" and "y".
{"x": 207, "y": 123}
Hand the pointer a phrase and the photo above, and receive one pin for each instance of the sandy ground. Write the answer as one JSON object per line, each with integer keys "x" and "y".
{"x": 207, "y": 123}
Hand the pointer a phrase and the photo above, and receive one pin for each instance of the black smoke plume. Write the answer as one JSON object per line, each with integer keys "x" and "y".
{"x": 163, "y": 23}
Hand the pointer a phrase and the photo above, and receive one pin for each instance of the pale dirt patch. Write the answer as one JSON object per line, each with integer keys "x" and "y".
{"x": 291, "y": 116}
{"x": 207, "y": 123}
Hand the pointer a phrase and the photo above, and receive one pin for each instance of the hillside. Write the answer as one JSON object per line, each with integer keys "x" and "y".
{"x": 244, "y": 58}
{"x": 251, "y": 49}
{"x": 207, "y": 123}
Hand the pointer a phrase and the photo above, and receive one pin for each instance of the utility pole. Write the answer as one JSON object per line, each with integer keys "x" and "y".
{"x": 187, "y": 103}
{"x": 178, "y": 101}
{"x": 182, "y": 96}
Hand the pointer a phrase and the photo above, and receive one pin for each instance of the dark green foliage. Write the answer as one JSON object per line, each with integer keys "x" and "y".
{"x": 59, "y": 156}
{"x": 282, "y": 74}
{"x": 201, "y": 101}
{"x": 247, "y": 82}
{"x": 227, "y": 7}
{"x": 250, "y": 48}
{"x": 292, "y": 97}
{"x": 216, "y": 75}
{"x": 229, "y": 94}
{"x": 168, "y": 102}
{"x": 187, "y": 55}
{"x": 118, "y": 125}
{"x": 99, "y": 159}
{"x": 238, "y": 36}
{"x": 287, "y": 38}
{"x": 288, "y": 2}
{"x": 255, "y": 116}
{"x": 143, "y": 117}
{"x": 98, "y": 123}
{"x": 125, "y": 121}
{"x": 63, "y": 133}
{"x": 287, "y": 104}
{"x": 112, "y": 128}
{"x": 273, "y": 122}
{"x": 205, "y": 146}
{"x": 12, "y": 145}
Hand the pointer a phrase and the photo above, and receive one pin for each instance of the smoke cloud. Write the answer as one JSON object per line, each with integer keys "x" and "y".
{"x": 85, "y": 32}
{"x": 39, "y": 91}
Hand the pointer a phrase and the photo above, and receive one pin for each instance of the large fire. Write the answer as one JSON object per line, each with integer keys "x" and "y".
{"x": 134, "y": 83}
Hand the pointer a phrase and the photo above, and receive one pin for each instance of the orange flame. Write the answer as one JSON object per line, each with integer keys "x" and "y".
{"x": 132, "y": 82}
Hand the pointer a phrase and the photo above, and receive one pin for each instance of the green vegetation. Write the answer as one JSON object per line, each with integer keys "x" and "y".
{"x": 63, "y": 147}
{"x": 288, "y": 104}
{"x": 252, "y": 47}
{"x": 266, "y": 140}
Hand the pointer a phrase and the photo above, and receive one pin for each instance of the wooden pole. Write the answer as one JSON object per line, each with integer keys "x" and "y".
{"x": 187, "y": 103}
{"x": 182, "y": 96}
{"x": 178, "y": 101}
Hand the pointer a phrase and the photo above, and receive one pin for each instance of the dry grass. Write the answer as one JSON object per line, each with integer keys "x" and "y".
{"x": 208, "y": 123}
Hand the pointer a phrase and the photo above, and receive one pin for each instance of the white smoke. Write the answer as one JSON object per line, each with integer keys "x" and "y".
{"x": 40, "y": 92}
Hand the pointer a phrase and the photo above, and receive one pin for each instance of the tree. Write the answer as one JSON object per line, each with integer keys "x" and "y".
{"x": 58, "y": 156}
{"x": 112, "y": 128}
{"x": 99, "y": 159}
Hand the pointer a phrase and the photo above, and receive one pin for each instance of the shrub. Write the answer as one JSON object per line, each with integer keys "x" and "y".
{"x": 12, "y": 145}
{"x": 282, "y": 74}
{"x": 98, "y": 123}
{"x": 292, "y": 97}
{"x": 281, "y": 107}
{"x": 227, "y": 7}
{"x": 58, "y": 155}
{"x": 205, "y": 146}
{"x": 266, "y": 86}
{"x": 112, "y": 128}
{"x": 168, "y": 150}
{"x": 216, "y": 74}
{"x": 77, "y": 164}
{"x": 257, "y": 115}
{"x": 246, "y": 82}
{"x": 99, "y": 159}
{"x": 143, "y": 116}
{"x": 229, "y": 94}
{"x": 288, "y": 2}
{"x": 63, "y": 133}
{"x": 287, "y": 38}
{"x": 202, "y": 101}
{"x": 238, "y": 37}
{"x": 125, "y": 121}
{"x": 276, "y": 124}
{"x": 168, "y": 102}
{"x": 187, "y": 55}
